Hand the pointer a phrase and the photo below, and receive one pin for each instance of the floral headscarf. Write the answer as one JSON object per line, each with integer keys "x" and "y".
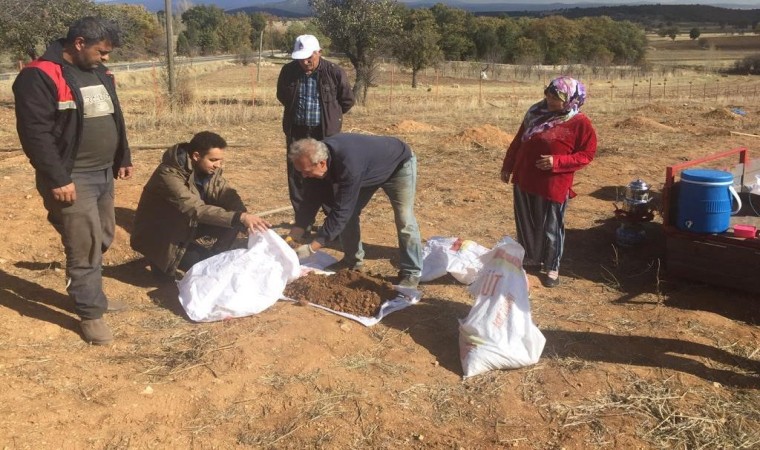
{"x": 539, "y": 119}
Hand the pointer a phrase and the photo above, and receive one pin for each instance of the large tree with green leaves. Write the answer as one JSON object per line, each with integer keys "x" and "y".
{"x": 235, "y": 33}
{"x": 455, "y": 27}
{"x": 141, "y": 32}
{"x": 202, "y": 25}
{"x": 29, "y": 25}
{"x": 361, "y": 29}
{"x": 556, "y": 37}
{"x": 417, "y": 46}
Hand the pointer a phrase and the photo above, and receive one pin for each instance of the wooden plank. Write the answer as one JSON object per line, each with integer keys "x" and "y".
{"x": 725, "y": 265}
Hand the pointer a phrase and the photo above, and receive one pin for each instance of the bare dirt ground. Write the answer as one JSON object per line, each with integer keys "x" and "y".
{"x": 634, "y": 358}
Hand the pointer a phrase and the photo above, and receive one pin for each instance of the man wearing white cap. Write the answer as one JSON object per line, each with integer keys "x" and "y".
{"x": 315, "y": 93}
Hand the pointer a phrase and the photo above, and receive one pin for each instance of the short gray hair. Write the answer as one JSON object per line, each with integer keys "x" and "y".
{"x": 316, "y": 150}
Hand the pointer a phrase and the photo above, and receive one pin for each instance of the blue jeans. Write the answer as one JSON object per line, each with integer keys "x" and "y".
{"x": 87, "y": 229}
{"x": 400, "y": 189}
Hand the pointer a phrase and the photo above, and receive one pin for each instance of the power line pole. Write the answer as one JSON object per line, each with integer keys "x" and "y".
{"x": 170, "y": 50}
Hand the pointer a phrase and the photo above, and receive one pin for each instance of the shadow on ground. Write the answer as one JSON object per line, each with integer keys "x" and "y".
{"x": 672, "y": 354}
{"x": 32, "y": 300}
{"x": 639, "y": 273}
{"x": 136, "y": 273}
{"x": 433, "y": 324}
{"x": 125, "y": 218}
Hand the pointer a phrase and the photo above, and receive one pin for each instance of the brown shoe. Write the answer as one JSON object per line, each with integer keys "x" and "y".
{"x": 116, "y": 306}
{"x": 96, "y": 331}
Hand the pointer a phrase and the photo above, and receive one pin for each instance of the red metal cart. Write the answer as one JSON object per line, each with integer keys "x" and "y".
{"x": 721, "y": 258}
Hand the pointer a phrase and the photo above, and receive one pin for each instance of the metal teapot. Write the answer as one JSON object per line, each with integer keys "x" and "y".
{"x": 637, "y": 198}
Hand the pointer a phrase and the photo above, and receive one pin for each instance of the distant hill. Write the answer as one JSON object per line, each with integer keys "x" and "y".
{"x": 286, "y": 8}
{"x": 658, "y": 14}
{"x": 733, "y": 13}
{"x": 648, "y": 15}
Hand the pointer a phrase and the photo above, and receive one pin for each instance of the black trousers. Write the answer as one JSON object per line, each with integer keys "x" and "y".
{"x": 211, "y": 241}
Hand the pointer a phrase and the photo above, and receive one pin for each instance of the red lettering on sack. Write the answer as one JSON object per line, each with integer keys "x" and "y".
{"x": 490, "y": 283}
{"x": 503, "y": 313}
{"x": 503, "y": 255}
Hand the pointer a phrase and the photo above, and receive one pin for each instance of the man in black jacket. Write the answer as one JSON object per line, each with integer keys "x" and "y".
{"x": 315, "y": 93}
{"x": 71, "y": 127}
{"x": 344, "y": 171}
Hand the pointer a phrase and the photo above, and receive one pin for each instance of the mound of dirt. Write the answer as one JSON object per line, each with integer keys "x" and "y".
{"x": 346, "y": 291}
{"x": 410, "y": 126}
{"x": 643, "y": 123}
{"x": 656, "y": 108}
{"x": 721, "y": 113}
{"x": 484, "y": 136}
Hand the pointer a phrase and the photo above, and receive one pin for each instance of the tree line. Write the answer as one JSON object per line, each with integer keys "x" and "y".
{"x": 366, "y": 30}
{"x": 363, "y": 30}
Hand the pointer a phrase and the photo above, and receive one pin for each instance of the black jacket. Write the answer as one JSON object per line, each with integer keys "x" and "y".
{"x": 355, "y": 161}
{"x": 335, "y": 94}
{"x": 50, "y": 114}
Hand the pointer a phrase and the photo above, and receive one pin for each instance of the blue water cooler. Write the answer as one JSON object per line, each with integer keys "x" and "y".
{"x": 705, "y": 200}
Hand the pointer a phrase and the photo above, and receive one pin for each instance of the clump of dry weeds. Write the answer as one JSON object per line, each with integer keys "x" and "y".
{"x": 671, "y": 416}
{"x": 183, "y": 351}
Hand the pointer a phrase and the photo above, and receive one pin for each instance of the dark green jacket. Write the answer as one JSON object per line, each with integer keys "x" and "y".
{"x": 171, "y": 208}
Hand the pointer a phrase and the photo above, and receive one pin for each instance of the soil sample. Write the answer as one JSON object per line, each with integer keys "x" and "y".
{"x": 346, "y": 291}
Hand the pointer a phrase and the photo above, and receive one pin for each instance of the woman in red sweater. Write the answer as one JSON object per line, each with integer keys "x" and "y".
{"x": 554, "y": 140}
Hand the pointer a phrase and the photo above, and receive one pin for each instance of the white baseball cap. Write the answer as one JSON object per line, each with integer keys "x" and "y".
{"x": 305, "y": 46}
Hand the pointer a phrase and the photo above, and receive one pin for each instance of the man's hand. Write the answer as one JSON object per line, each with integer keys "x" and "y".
{"x": 65, "y": 194}
{"x": 292, "y": 242}
{"x": 505, "y": 176}
{"x": 296, "y": 234}
{"x": 254, "y": 223}
{"x": 304, "y": 251}
{"x": 125, "y": 173}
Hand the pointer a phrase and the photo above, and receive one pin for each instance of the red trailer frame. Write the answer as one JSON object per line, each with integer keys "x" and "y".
{"x": 720, "y": 259}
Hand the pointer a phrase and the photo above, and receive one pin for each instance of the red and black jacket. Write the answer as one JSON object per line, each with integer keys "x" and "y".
{"x": 50, "y": 114}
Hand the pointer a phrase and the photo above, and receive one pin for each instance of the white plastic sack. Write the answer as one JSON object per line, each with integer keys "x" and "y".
{"x": 499, "y": 332}
{"x": 460, "y": 258}
{"x": 241, "y": 282}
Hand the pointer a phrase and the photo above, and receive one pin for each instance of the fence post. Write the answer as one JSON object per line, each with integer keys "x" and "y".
{"x": 390, "y": 91}
{"x": 664, "y": 82}
{"x": 633, "y": 90}
{"x": 650, "y": 89}
{"x": 480, "y": 91}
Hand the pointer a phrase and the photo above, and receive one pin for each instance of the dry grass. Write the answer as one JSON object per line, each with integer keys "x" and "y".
{"x": 669, "y": 415}
{"x": 327, "y": 404}
{"x": 181, "y": 351}
{"x": 236, "y": 384}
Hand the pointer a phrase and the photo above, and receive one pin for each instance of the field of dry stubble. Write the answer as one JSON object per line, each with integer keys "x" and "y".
{"x": 634, "y": 358}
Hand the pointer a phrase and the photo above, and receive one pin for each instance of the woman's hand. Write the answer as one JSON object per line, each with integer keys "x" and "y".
{"x": 546, "y": 162}
{"x": 505, "y": 176}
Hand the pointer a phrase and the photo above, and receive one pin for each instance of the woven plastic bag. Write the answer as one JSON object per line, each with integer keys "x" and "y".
{"x": 460, "y": 258}
{"x": 241, "y": 282}
{"x": 499, "y": 332}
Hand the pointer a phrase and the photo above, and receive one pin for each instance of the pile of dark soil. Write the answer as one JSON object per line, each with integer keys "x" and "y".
{"x": 346, "y": 291}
